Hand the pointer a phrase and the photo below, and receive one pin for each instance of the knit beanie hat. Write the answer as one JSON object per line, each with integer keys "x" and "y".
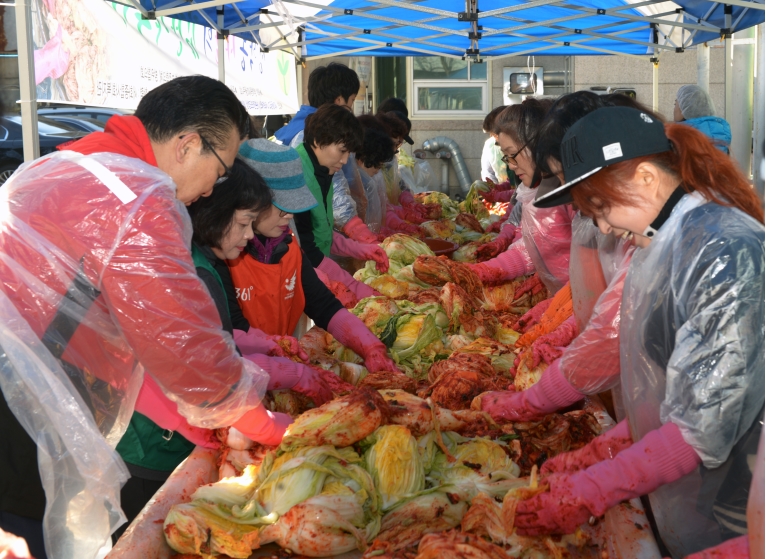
{"x": 281, "y": 168}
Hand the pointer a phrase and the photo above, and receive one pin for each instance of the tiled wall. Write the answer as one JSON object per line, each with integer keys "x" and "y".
{"x": 676, "y": 69}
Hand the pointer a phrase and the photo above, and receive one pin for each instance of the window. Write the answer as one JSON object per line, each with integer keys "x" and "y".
{"x": 445, "y": 86}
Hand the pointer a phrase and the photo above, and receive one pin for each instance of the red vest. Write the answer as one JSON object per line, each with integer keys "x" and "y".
{"x": 270, "y": 295}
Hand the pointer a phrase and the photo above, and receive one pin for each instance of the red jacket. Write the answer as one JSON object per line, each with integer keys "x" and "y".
{"x": 152, "y": 308}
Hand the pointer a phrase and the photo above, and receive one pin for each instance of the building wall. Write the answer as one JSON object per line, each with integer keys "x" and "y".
{"x": 675, "y": 70}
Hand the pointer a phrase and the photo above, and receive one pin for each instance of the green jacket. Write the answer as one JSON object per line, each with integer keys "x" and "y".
{"x": 321, "y": 216}
{"x": 145, "y": 443}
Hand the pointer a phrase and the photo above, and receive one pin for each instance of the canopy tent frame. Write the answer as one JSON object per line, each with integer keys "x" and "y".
{"x": 684, "y": 21}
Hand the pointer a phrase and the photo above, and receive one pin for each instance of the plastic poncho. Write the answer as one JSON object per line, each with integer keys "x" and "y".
{"x": 585, "y": 274}
{"x": 343, "y": 204}
{"x": 492, "y": 165}
{"x": 692, "y": 352}
{"x": 591, "y": 363}
{"x": 392, "y": 181}
{"x": 107, "y": 231}
{"x": 547, "y": 234}
{"x": 524, "y": 196}
{"x": 375, "y": 191}
{"x": 355, "y": 187}
{"x": 415, "y": 174}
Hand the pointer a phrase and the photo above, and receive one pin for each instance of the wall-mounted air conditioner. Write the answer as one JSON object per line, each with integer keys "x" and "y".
{"x": 519, "y": 83}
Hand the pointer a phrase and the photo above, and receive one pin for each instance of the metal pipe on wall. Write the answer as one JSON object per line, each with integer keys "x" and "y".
{"x": 442, "y": 142}
{"x": 27, "y": 86}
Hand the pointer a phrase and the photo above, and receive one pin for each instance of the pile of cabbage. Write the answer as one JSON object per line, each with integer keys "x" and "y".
{"x": 400, "y": 280}
{"x": 364, "y": 466}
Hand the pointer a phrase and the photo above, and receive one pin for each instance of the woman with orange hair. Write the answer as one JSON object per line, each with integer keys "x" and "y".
{"x": 691, "y": 331}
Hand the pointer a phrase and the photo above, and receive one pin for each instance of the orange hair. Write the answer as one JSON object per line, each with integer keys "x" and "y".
{"x": 697, "y": 163}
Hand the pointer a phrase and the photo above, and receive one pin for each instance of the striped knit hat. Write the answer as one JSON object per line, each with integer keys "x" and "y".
{"x": 281, "y": 168}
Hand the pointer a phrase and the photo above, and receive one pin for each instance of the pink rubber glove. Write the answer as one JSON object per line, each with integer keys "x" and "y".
{"x": 736, "y": 548}
{"x": 51, "y": 61}
{"x": 286, "y": 374}
{"x": 153, "y": 403}
{"x": 507, "y": 266}
{"x": 336, "y": 273}
{"x": 661, "y": 457}
{"x": 395, "y": 223}
{"x": 341, "y": 292}
{"x": 255, "y": 341}
{"x": 354, "y": 334}
{"x": 343, "y": 246}
{"x": 603, "y": 447}
{"x": 551, "y": 393}
{"x": 258, "y": 341}
{"x": 406, "y": 198}
{"x": 496, "y": 227}
{"x": 262, "y": 426}
{"x": 357, "y": 230}
{"x": 500, "y": 244}
{"x": 293, "y": 348}
{"x": 550, "y": 347}
{"x": 496, "y": 195}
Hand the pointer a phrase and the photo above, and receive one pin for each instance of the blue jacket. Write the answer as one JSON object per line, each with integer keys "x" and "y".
{"x": 288, "y": 131}
{"x": 715, "y": 128}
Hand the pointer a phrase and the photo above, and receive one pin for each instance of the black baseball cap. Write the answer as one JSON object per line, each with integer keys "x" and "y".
{"x": 602, "y": 138}
{"x": 403, "y": 117}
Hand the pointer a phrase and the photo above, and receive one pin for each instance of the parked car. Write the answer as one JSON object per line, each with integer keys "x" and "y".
{"x": 50, "y": 132}
{"x": 99, "y": 114}
{"x": 78, "y": 122}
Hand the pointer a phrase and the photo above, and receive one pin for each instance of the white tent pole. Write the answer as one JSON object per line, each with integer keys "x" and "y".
{"x": 741, "y": 120}
{"x": 703, "y": 66}
{"x": 27, "y": 88}
{"x": 729, "y": 67}
{"x": 759, "y": 116}
{"x": 221, "y": 47}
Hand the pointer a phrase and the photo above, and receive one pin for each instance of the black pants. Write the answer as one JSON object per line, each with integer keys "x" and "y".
{"x": 27, "y": 528}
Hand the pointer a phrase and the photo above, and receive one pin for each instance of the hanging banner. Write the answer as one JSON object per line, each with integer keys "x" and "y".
{"x": 97, "y": 53}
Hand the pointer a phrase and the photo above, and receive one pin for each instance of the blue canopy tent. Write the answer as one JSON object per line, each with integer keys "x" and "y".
{"x": 473, "y": 28}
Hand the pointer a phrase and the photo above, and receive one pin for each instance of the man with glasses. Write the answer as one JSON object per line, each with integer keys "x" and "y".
{"x": 98, "y": 289}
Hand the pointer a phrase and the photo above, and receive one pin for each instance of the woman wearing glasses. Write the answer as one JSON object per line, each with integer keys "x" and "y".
{"x": 547, "y": 233}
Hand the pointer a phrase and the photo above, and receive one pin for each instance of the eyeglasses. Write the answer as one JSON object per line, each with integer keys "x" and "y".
{"x": 227, "y": 169}
{"x": 512, "y": 158}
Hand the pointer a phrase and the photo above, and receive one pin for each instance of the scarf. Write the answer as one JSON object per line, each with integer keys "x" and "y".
{"x": 265, "y": 250}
